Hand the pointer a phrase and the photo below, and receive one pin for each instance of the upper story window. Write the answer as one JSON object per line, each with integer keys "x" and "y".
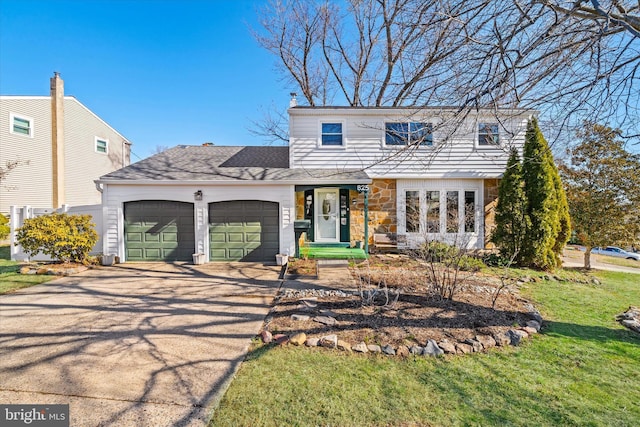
{"x": 21, "y": 125}
{"x": 488, "y": 134}
{"x": 102, "y": 145}
{"x": 331, "y": 134}
{"x": 408, "y": 133}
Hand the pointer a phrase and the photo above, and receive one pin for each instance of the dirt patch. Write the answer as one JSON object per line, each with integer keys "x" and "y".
{"x": 397, "y": 306}
{"x": 302, "y": 267}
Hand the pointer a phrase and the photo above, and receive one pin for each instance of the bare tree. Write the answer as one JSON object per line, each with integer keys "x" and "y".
{"x": 568, "y": 59}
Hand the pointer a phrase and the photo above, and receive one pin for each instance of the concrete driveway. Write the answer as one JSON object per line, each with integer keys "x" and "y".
{"x": 133, "y": 344}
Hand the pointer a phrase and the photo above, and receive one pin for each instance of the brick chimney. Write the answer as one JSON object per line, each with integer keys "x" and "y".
{"x": 57, "y": 139}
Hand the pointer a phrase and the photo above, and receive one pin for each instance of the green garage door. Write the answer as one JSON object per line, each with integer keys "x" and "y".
{"x": 244, "y": 230}
{"x": 158, "y": 230}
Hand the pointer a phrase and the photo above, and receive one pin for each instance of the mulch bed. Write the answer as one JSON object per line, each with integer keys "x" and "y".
{"x": 415, "y": 317}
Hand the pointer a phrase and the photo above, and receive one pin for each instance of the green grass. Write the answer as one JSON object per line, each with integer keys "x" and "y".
{"x": 11, "y": 279}
{"x": 582, "y": 371}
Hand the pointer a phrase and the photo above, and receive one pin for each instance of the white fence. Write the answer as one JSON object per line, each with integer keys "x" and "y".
{"x": 19, "y": 214}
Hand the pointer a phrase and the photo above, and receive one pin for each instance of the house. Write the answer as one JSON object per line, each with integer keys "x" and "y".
{"x": 429, "y": 173}
{"x": 58, "y": 147}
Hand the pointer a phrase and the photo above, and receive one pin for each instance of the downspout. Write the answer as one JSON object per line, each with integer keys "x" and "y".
{"x": 98, "y": 186}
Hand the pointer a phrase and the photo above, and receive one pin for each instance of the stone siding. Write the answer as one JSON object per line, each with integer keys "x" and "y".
{"x": 382, "y": 210}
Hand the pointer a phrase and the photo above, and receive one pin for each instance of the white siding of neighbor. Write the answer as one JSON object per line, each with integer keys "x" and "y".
{"x": 115, "y": 195}
{"x": 455, "y": 153}
{"x": 28, "y": 184}
{"x": 82, "y": 163}
{"x": 470, "y": 240}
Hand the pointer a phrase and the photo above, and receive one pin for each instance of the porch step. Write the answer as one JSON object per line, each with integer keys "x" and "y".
{"x": 328, "y": 245}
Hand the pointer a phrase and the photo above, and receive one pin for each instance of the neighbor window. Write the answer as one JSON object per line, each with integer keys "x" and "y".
{"x": 408, "y": 133}
{"x": 433, "y": 211}
{"x": 331, "y": 133}
{"x": 21, "y": 125}
{"x": 412, "y": 213}
{"x": 488, "y": 134}
{"x": 101, "y": 145}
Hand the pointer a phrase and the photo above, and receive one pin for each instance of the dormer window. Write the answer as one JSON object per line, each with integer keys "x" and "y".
{"x": 488, "y": 134}
{"x": 331, "y": 134}
{"x": 408, "y": 133}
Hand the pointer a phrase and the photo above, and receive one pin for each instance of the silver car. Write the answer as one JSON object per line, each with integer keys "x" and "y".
{"x": 616, "y": 252}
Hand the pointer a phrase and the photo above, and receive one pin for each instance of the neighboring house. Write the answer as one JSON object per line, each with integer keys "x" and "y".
{"x": 343, "y": 166}
{"x": 60, "y": 148}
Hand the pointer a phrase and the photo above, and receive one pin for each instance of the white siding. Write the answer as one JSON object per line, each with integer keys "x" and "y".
{"x": 28, "y": 184}
{"x": 455, "y": 153}
{"x": 82, "y": 163}
{"x": 114, "y": 197}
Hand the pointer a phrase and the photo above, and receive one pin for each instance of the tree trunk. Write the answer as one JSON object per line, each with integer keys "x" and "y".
{"x": 587, "y": 258}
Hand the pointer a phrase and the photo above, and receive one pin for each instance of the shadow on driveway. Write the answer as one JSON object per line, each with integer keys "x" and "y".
{"x": 135, "y": 344}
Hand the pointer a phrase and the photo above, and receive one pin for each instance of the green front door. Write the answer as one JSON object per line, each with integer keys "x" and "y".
{"x": 159, "y": 230}
{"x": 244, "y": 230}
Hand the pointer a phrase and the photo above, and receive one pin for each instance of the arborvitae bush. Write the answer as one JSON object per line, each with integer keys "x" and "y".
{"x": 63, "y": 237}
{"x": 512, "y": 222}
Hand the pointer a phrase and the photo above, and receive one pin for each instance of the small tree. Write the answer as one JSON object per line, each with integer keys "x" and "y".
{"x": 543, "y": 202}
{"x": 602, "y": 186}
{"x": 512, "y": 221}
{"x": 63, "y": 237}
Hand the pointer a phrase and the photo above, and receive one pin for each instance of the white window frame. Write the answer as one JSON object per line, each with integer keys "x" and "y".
{"x": 408, "y": 123}
{"x": 106, "y": 147}
{"x": 490, "y": 145}
{"x": 13, "y": 116}
{"x": 344, "y": 134}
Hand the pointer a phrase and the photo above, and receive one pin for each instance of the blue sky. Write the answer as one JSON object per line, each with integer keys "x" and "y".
{"x": 161, "y": 72}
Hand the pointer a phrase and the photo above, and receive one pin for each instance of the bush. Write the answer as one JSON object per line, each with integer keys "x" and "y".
{"x": 470, "y": 263}
{"x": 495, "y": 260}
{"x": 4, "y": 227}
{"x": 438, "y": 251}
{"x": 63, "y": 237}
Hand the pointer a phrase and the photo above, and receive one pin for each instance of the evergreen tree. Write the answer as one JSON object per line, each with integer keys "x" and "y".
{"x": 564, "y": 218}
{"x": 512, "y": 221}
{"x": 543, "y": 202}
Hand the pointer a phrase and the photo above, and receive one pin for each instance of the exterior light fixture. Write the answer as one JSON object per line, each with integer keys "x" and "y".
{"x": 354, "y": 201}
{"x": 197, "y": 195}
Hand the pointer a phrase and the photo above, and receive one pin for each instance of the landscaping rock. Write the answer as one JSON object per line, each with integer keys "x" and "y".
{"x": 361, "y": 347}
{"x": 325, "y": 320}
{"x": 475, "y": 345}
{"x": 516, "y": 335}
{"x": 416, "y": 349}
{"x": 432, "y": 349}
{"x": 447, "y": 346}
{"x": 388, "y": 349}
{"x": 502, "y": 339}
{"x": 634, "y": 325}
{"x": 266, "y": 337}
{"x": 529, "y": 330}
{"x": 373, "y": 348}
{"x": 462, "y": 348}
{"x": 281, "y": 339}
{"x": 344, "y": 346}
{"x": 298, "y": 339}
{"x": 300, "y": 317}
{"x": 329, "y": 341}
{"x": 25, "y": 270}
{"x": 312, "y": 342}
{"x": 487, "y": 341}
{"x": 534, "y": 324}
{"x": 630, "y": 319}
{"x": 402, "y": 351}
{"x": 328, "y": 313}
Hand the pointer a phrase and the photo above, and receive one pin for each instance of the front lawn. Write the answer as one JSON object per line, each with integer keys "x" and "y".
{"x": 10, "y": 277}
{"x": 583, "y": 370}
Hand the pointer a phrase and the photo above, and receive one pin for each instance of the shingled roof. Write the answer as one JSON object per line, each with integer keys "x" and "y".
{"x": 227, "y": 164}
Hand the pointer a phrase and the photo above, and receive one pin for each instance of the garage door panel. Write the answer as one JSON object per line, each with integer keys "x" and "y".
{"x": 159, "y": 231}
{"x": 250, "y": 228}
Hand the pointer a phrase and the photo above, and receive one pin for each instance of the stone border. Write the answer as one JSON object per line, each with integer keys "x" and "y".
{"x": 480, "y": 343}
{"x": 44, "y": 270}
{"x": 630, "y": 319}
